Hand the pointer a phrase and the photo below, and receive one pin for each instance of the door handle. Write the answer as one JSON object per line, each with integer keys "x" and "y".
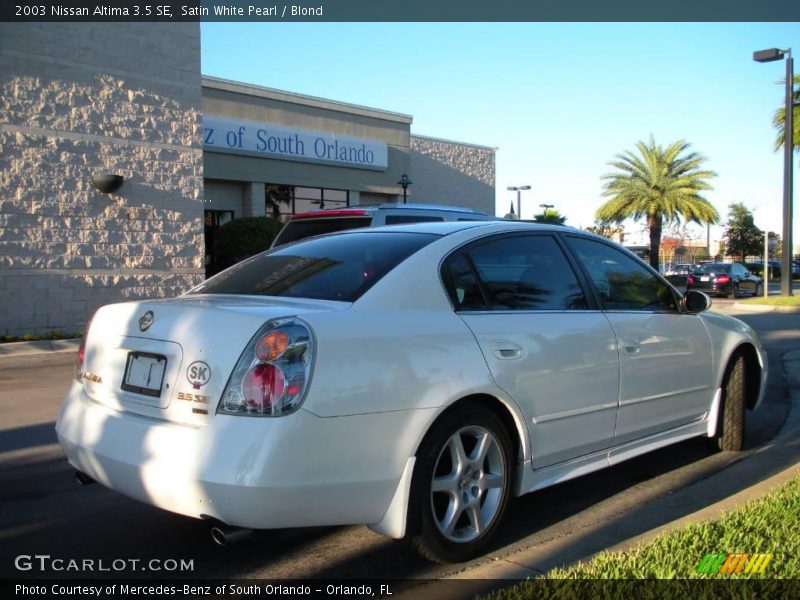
{"x": 506, "y": 350}
{"x": 630, "y": 345}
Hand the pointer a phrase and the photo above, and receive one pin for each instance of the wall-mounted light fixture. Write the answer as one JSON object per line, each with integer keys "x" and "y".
{"x": 107, "y": 182}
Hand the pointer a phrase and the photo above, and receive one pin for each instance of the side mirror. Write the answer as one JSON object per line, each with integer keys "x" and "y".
{"x": 696, "y": 302}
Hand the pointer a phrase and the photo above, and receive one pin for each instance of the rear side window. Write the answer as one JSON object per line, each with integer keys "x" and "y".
{"x": 340, "y": 267}
{"x": 304, "y": 228}
{"x": 528, "y": 272}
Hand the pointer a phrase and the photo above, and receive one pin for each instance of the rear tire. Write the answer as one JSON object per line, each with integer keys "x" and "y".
{"x": 735, "y": 291}
{"x": 757, "y": 290}
{"x": 730, "y": 421}
{"x": 461, "y": 485}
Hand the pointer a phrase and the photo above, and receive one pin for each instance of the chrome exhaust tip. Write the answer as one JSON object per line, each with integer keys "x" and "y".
{"x": 228, "y": 534}
{"x": 83, "y": 479}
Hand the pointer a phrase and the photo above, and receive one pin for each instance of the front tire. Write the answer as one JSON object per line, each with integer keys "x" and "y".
{"x": 730, "y": 422}
{"x": 461, "y": 485}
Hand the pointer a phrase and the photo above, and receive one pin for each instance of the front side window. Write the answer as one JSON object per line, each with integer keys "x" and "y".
{"x": 622, "y": 282}
{"x": 528, "y": 272}
{"x": 339, "y": 267}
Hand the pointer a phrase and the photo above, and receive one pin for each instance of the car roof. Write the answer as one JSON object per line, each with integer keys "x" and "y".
{"x": 417, "y": 206}
{"x": 449, "y": 227}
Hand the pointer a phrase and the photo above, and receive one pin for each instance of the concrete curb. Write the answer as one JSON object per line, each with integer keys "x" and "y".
{"x": 38, "y": 347}
{"x": 766, "y": 308}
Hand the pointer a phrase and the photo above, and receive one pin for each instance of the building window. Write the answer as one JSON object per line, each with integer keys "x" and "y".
{"x": 280, "y": 200}
{"x": 283, "y": 201}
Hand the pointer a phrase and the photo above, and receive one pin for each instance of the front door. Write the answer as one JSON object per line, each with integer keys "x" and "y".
{"x": 665, "y": 354}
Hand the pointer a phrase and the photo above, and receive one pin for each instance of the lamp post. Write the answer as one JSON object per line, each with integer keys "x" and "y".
{"x": 519, "y": 189}
{"x": 766, "y": 263}
{"x": 404, "y": 183}
{"x": 546, "y": 206}
{"x": 770, "y": 55}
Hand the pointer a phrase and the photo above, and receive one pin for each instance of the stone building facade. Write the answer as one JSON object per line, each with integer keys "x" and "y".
{"x": 80, "y": 99}
{"x": 457, "y": 173}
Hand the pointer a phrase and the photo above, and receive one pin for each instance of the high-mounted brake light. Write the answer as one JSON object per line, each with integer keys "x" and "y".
{"x": 345, "y": 212}
{"x": 272, "y": 375}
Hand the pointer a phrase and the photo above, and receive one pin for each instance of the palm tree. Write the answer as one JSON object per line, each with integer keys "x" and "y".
{"x": 779, "y": 120}
{"x": 657, "y": 184}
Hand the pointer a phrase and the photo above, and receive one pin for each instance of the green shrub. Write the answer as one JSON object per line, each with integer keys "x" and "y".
{"x": 245, "y": 237}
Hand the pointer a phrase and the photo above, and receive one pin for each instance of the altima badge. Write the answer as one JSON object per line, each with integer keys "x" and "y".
{"x": 146, "y": 320}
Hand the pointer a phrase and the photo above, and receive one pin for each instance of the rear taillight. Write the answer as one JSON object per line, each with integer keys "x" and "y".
{"x": 81, "y": 357}
{"x": 723, "y": 278}
{"x": 272, "y": 375}
{"x": 690, "y": 279}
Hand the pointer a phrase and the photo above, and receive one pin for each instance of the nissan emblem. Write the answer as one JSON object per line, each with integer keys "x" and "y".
{"x": 146, "y": 320}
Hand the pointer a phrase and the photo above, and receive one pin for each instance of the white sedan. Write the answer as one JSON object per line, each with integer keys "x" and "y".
{"x": 411, "y": 378}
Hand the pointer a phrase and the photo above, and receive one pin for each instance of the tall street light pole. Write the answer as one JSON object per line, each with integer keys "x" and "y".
{"x": 518, "y": 189}
{"x": 770, "y": 55}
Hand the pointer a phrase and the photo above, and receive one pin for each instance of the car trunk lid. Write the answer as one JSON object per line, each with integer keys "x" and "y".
{"x": 171, "y": 359}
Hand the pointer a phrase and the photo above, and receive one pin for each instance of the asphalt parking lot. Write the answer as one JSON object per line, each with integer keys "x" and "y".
{"x": 44, "y": 511}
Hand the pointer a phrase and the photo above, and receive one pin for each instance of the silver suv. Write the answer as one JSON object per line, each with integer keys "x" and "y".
{"x": 374, "y": 215}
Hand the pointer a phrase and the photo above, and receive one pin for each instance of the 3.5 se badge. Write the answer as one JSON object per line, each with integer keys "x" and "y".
{"x": 198, "y": 373}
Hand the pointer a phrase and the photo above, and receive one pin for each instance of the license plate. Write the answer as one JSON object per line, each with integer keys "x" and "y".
{"x": 705, "y": 278}
{"x": 144, "y": 373}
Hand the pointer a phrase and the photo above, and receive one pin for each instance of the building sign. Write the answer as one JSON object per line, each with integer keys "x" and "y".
{"x": 222, "y": 134}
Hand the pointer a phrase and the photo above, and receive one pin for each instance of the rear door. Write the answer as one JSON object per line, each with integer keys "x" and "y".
{"x": 545, "y": 348}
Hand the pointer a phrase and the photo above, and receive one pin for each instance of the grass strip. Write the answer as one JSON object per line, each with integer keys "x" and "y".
{"x": 769, "y": 525}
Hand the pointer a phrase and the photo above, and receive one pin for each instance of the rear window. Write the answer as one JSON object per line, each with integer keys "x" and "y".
{"x": 304, "y": 228}
{"x": 340, "y": 267}
{"x": 714, "y": 268}
{"x": 405, "y": 219}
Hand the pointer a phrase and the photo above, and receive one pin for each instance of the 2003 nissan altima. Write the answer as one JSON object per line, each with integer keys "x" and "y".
{"x": 412, "y": 378}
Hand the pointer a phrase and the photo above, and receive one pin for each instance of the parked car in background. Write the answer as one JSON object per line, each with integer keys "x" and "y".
{"x": 723, "y": 279}
{"x": 413, "y": 378}
{"x": 318, "y": 222}
{"x": 679, "y": 269}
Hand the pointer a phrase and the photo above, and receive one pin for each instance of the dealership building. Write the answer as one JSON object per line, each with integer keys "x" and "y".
{"x": 118, "y": 160}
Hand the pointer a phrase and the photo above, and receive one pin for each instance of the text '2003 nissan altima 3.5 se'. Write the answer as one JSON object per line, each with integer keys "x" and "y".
{"x": 412, "y": 378}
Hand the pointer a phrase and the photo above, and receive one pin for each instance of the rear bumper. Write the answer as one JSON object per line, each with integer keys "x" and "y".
{"x": 298, "y": 470}
{"x": 720, "y": 290}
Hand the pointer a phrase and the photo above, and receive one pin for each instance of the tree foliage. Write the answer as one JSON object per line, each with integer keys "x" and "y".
{"x": 660, "y": 185}
{"x": 245, "y": 237}
{"x": 608, "y": 230}
{"x": 742, "y": 237}
{"x": 779, "y": 120}
{"x": 550, "y": 216}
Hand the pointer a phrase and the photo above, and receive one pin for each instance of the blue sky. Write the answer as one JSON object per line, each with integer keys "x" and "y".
{"x": 557, "y": 100}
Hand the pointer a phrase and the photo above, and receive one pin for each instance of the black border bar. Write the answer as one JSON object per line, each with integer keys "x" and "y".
{"x": 273, "y": 11}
